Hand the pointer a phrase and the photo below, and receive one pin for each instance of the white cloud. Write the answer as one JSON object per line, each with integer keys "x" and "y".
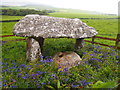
{"x": 106, "y": 6}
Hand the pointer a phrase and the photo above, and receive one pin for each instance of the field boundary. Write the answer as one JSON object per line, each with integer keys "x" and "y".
{"x": 71, "y": 18}
{"x": 9, "y": 21}
{"x": 117, "y": 40}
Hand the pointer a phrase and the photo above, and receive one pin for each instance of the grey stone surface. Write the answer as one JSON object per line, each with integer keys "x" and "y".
{"x": 37, "y": 27}
{"x": 33, "y": 50}
{"x": 66, "y": 59}
{"x": 52, "y": 27}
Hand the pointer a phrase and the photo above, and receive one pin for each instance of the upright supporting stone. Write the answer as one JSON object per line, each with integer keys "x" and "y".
{"x": 79, "y": 43}
{"x": 40, "y": 41}
{"x": 33, "y": 50}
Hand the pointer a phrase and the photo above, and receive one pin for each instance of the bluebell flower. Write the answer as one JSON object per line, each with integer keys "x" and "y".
{"x": 33, "y": 78}
{"x": 59, "y": 67}
{"x": 23, "y": 65}
{"x": 14, "y": 86}
{"x": 61, "y": 71}
{"x": 4, "y": 59}
{"x": 92, "y": 59}
{"x": 95, "y": 51}
{"x": 74, "y": 86}
{"x": 36, "y": 74}
{"x": 4, "y": 71}
{"x": 66, "y": 79}
{"x": 14, "y": 63}
{"x": 49, "y": 82}
{"x": 11, "y": 67}
{"x": 39, "y": 72}
{"x": 98, "y": 47}
{"x": 65, "y": 69}
{"x": 32, "y": 74}
{"x": 117, "y": 57}
{"x": 86, "y": 69}
{"x": 84, "y": 82}
{"x": 37, "y": 84}
{"x": 98, "y": 66}
{"x": 118, "y": 62}
{"x": 5, "y": 80}
{"x": 51, "y": 60}
{"x": 13, "y": 80}
{"x": 53, "y": 75}
{"x": 43, "y": 83}
{"x": 84, "y": 52}
{"x": 6, "y": 63}
{"x": 105, "y": 55}
{"x": 86, "y": 62}
{"x": 41, "y": 57}
{"x": 24, "y": 77}
{"x": 91, "y": 54}
{"x": 0, "y": 82}
{"x": 4, "y": 85}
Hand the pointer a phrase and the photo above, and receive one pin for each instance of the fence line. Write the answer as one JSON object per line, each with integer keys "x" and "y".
{"x": 9, "y": 21}
{"x": 7, "y": 35}
{"x": 93, "y": 40}
{"x": 71, "y": 18}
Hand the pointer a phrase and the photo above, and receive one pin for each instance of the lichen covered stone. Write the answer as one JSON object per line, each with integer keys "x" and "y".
{"x": 52, "y": 27}
{"x": 66, "y": 59}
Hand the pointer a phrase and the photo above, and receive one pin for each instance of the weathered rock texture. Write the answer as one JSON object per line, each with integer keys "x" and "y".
{"x": 52, "y": 27}
{"x": 66, "y": 59}
{"x": 38, "y": 27}
{"x": 33, "y": 49}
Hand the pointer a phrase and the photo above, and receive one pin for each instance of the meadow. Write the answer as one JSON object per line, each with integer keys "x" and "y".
{"x": 5, "y": 17}
{"x": 72, "y": 14}
{"x": 105, "y": 28}
{"x": 99, "y": 68}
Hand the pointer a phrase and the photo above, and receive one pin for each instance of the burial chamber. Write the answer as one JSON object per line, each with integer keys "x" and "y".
{"x": 38, "y": 27}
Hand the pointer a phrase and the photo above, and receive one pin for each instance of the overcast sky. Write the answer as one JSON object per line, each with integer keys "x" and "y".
{"x": 105, "y": 6}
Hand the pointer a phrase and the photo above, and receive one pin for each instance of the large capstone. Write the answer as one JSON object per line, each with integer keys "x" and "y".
{"x": 37, "y": 28}
{"x": 52, "y": 27}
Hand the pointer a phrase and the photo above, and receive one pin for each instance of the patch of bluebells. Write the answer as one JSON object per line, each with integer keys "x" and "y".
{"x": 46, "y": 60}
{"x": 39, "y": 72}
{"x": 22, "y": 66}
{"x": 80, "y": 83}
{"x": 65, "y": 69}
{"x": 84, "y": 83}
{"x": 94, "y": 60}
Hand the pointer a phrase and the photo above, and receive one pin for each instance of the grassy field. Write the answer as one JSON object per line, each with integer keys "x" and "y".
{"x": 105, "y": 28}
{"x": 79, "y": 15}
{"x": 5, "y": 17}
{"x": 99, "y": 68}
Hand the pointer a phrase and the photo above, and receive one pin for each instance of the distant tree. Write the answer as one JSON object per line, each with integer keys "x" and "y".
{"x": 23, "y": 12}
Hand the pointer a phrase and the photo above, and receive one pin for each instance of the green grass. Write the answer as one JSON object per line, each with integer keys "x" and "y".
{"x": 16, "y": 7}
{"x": 105, "y": 28}
{"x": 7, "y": 28}
{"x": 100, "y": 63}
{"x": 79, "y": 15}
{"x": 5, "y": 17}
{"x": 100, "y": 66}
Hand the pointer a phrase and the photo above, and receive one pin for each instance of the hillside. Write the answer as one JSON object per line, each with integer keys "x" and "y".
{"x": 47, "y": 7}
